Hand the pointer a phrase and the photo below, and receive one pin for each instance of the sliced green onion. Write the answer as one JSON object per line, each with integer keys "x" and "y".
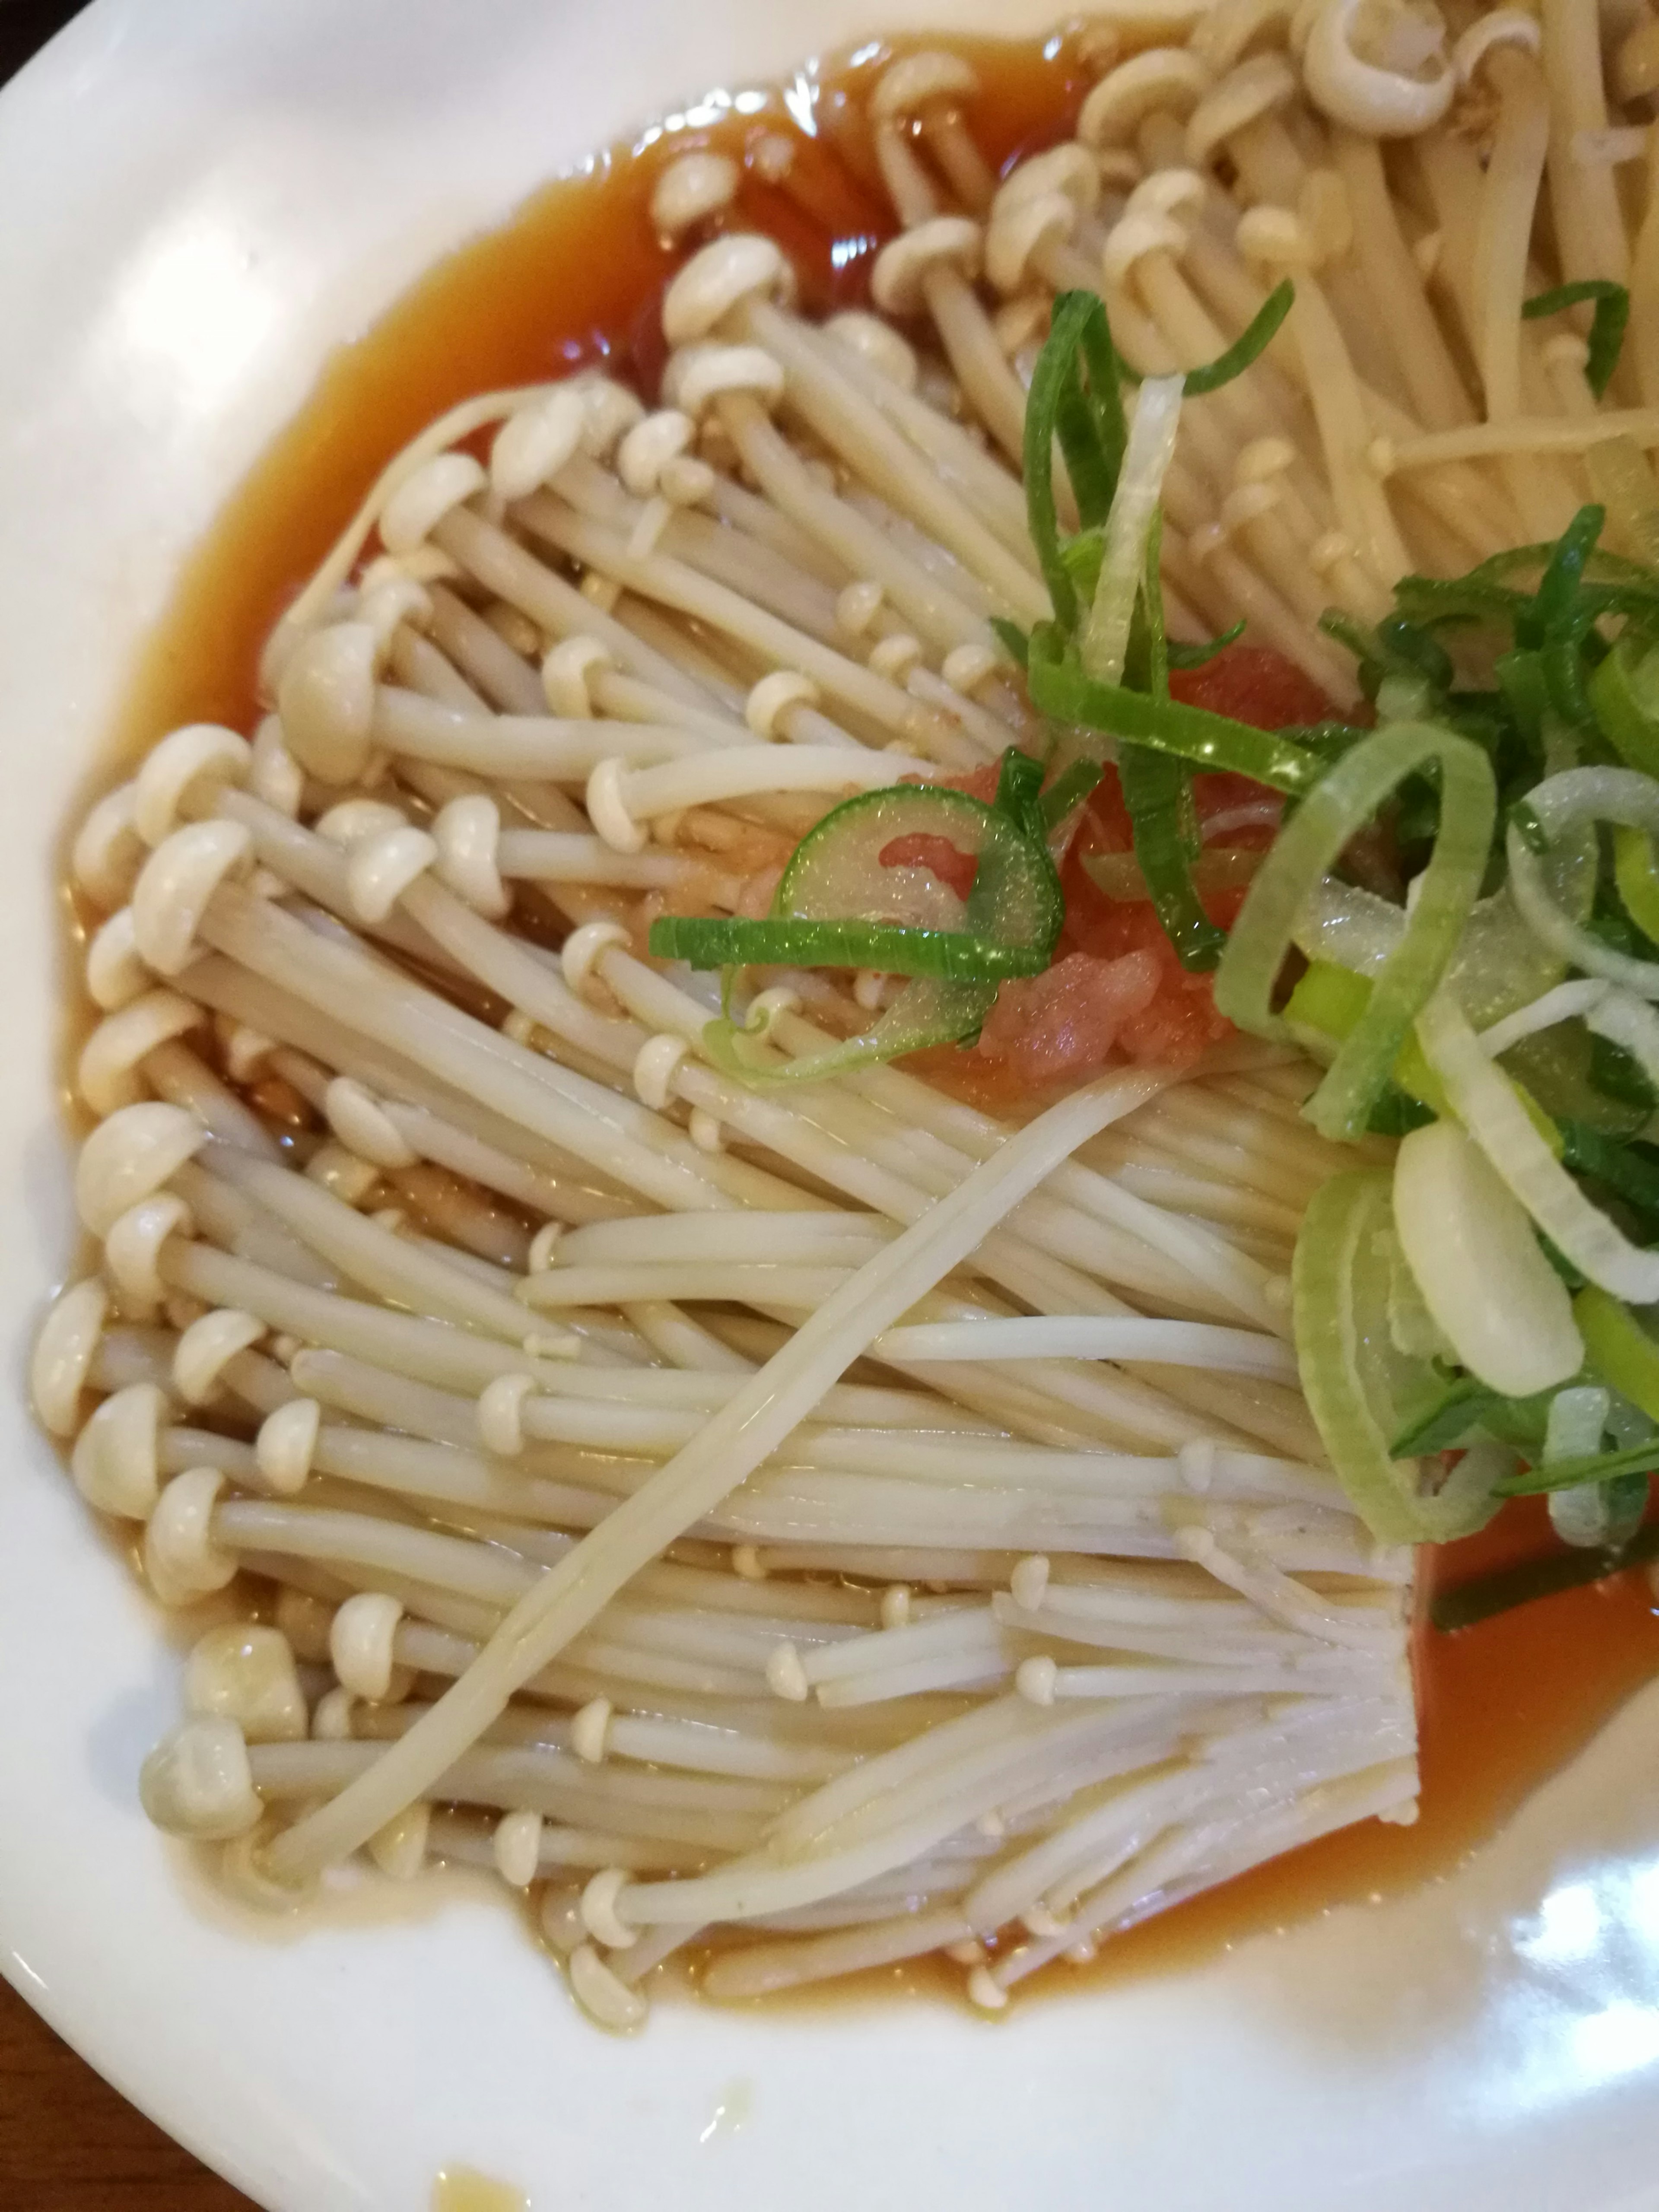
{"x": 1571, "y": 1474}
{"x": 951, "y": 955}
{"x": 1625, "y": 693}
{"x": 1469, "y": 1245}
{"x": 1075, "y": 394}
{"x": 1592, "y": 1517}
{"x": 1015, "y": 890}
{"x": 1523, "y": 818}
{"x": 1157, "y": 790}
{"x": 1490, "y": 1109}
{"x": 1621, "y": 477}
{"x": 1305, "y": 849}
{"x": 1217, "y": 868}
{"x": 1629, "y": 1175}
{"x": 1631, "y": 1025}
{"x": 1197, "y": 656}
{"x": 834, "y": 901}
{"x": 1019, "y": 800}
{"x": 1104, "y": 640}
{"x": 926, "y": 1012}
{"x": 1560, "y": 589}
{"x": 1607, "y": 325}
{"x": 1067, "y": 791}
{"x": 1355, "y": 1381}
{"x": 1573, "y": 799}
{"x": 1249, "y": 346}
{"x": 1636, "y": 873}
{"x": 1446, "y": 1420}
{"x": 1062, "y": 689}
{"x": 1015, "y": 641}
{"x": 1619, "y": 1349}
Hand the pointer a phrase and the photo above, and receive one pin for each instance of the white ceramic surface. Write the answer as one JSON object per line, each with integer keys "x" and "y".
{"x": 200, "y": 197}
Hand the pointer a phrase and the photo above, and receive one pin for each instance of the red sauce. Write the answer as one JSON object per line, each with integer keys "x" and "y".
{"x": 576, "y": 275}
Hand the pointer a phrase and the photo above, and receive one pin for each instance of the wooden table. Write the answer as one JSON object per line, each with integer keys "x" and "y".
{"x": 68, "y": 2143}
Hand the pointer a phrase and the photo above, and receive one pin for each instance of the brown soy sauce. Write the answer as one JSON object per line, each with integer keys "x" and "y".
{"x": 576, "y": 277}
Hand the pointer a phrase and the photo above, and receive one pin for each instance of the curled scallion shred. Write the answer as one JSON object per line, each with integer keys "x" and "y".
{"x": 1563, "y": 804}
{"x": 1469, "y": 1245}
{"x": 1356, "y": 1380}
{"x": 1493, "y": 1112}
{"x": 1306, "y": 848}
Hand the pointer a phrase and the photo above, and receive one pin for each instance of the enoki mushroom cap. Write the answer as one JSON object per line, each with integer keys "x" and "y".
{"x": 326, "y": 701}
{"x": 691, "y": 189}
{"x": 698, "y": 375}
{"x": 535, "y": 443}
{"x": 719, "y": 278}
{"x": 947, "y": 241}
{"x": 919, "y": 80}
{"x": 1228, "y": 32}
{"x": 878, "y": 344}
{"x": 198, "y": 1782}
{"x": 1166, "y": 77}
{"x": 116, "y": 1462}
{"x": 201, "y": 754}
{"x": 63, "y": 1352}
{"x": 175, "y": 884}
{"x": 1255, "y": 88}
{"x": 1068, "y": 168}
{"x": 1380, "y": 66}
{"x": 134, "y": 1152}
{"x": 245, "y": 1672}
{"x": 1016, "y": 233}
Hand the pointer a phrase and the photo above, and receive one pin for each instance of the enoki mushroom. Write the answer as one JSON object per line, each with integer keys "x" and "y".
{"x": 831, "y": 1519}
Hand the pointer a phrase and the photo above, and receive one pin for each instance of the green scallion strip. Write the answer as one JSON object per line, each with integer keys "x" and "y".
{"x": 1089, "y": 421}
{"x": 1059, "y": 688}
{"x": 1446, "y": 1422}
{"x": 1307, "y": 848}
{"x": 1341, "y": 1282}
{"x": 1196, "y": 656}
{"x": 1013, "y": 640}
{"x": 1249, "y": 346}
{"x": 955, "y": 954}
{"x": 1608, "y": 325}
{"x": 1559, "y": 593}
{"x": 1157, "y": 790}
{"x": 1067, "y": 791}
{"x": 1633, "y": 1175}
{"x": 1568, "y": 1474}
{"x": 926, "y": 1012}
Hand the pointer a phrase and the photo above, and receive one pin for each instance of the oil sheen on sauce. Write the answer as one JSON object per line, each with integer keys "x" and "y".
{"x": 577, "y": 277}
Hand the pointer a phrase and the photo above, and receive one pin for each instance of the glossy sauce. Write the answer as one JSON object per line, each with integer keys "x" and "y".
{"x": 577, "y": 277}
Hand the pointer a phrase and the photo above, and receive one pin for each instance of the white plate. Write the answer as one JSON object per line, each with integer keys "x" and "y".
{"x": 200, "y": 198}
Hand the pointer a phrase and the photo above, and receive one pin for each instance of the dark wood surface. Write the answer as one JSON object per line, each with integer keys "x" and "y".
{"x": 68, "y": 2143}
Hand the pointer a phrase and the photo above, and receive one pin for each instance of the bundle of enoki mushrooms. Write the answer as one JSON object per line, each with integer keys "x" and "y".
{"x": 818, "y": 1523}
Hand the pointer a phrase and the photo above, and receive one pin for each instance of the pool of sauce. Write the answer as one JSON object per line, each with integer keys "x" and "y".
{"x": 576, "y": 277}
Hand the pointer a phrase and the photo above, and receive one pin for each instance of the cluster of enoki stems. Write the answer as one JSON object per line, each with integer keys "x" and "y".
{"x": 827, "y": 1515}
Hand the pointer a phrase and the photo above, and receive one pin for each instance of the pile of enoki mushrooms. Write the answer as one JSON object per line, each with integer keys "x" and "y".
{"x": 815, "y": 1526}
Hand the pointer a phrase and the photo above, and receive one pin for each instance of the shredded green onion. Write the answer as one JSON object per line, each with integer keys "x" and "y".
{"x": 1249, "y": 346}
{"x": 1608, "y": 325}
{"x": 1356, "y": 1380}
{"x": 926, "y": 1012}
{"x": 1307, "y": 848}
{"x": 1060, "y": 688}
